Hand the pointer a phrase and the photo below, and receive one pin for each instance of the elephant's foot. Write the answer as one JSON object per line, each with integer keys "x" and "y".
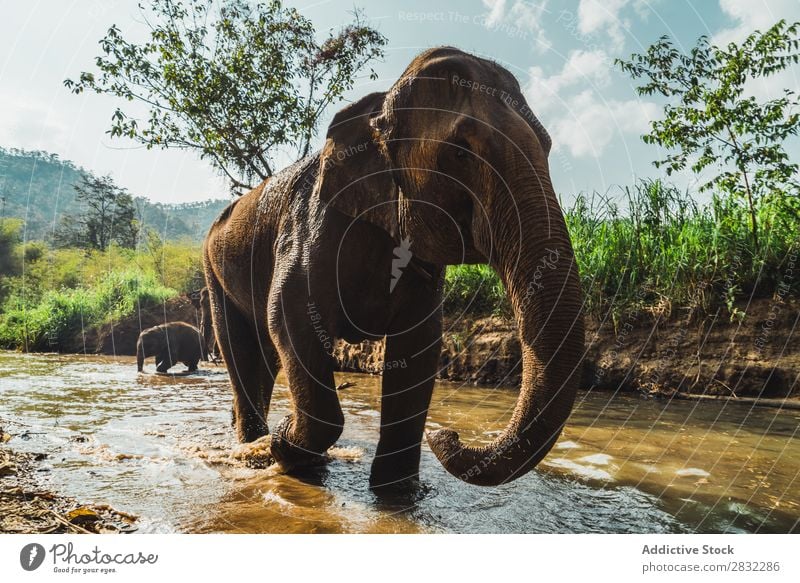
{"x": 402, "y": 492}
{"x": 256, "y": 454}
{"x": 398, "y": 471}
{"x": 394, "y": 478}
{"x": 288, "y": 454}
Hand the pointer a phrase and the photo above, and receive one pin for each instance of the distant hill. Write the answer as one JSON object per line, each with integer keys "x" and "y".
{"x": 37, "y": 187}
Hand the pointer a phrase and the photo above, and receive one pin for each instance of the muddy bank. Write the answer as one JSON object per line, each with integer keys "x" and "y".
{"x": 755, "y": 354}
{"x": 28, "y": 506}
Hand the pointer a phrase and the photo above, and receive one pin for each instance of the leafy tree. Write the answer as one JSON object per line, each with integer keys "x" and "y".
{"x": 10, "y": 264}
{"x": 110, "y": 216}
{"x": 711, "y": 119}
{"x": 234, "y": 84}
{"x": 9, "y": 238}
{"x": 155, "y": 248}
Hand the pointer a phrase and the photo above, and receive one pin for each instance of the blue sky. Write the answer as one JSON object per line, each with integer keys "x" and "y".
{"x": 561, "y": 51}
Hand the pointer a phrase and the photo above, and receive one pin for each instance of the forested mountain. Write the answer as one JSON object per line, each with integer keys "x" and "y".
{"x": 38, "y": 188}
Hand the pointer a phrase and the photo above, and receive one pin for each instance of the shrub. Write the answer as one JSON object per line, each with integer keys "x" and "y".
{"x": 661, "y": 250}
{"x": 474, "y": 289}
{"x": 63, "y": 315}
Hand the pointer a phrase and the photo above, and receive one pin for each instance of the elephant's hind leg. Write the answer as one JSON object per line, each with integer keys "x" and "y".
{"x": 252, "y": 371}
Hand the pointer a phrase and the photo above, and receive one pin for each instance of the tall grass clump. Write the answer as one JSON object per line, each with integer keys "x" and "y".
{"x": 59, "y": 317}
{"x": 664, "y": 250}
{"x": 474, "y": 289}
{"x": 655, "y": 248}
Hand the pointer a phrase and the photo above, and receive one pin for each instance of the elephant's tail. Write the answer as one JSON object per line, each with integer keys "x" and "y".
{"x": 140, "y": 354}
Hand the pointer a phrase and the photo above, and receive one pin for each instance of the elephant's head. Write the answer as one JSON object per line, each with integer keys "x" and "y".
{"x": 453, "y": 158}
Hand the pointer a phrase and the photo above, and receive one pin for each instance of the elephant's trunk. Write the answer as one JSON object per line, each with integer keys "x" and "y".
{"x": 528, "y": 245}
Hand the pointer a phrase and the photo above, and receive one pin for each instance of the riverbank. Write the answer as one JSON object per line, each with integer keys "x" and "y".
{"x": 665, "y": 353}
{"x": 118, "y": 336}
{"x": 28, "y": 506}
{"x": 652, "y": 280}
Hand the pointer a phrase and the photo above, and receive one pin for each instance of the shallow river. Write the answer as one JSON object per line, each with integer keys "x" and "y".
{"x": 162, "y": 448}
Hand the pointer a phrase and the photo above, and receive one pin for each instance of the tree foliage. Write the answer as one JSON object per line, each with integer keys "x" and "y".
{"x": 38, "y": 190}
{"x": 109, "y": 216}
{"x": 711, "y": 119}
{"x": 232, "y": 80}
{"x": 9, "y": 237}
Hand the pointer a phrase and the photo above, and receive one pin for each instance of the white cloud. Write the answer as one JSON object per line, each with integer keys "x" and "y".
{"x": 519, "y": 16}
{"x": 31, "y": 124}
{"x": 753, "y": 15}
{"x": 590, "y": 124}
{"x": 644, "y": 8}
{"x": 582, "y": 121}
{"x": 497, "y": 10}
{"x": 582, "y": 67}
{"x": 593, "y": 66}
{"x": 594, "y": 14}
{"x": 603, "y": 17}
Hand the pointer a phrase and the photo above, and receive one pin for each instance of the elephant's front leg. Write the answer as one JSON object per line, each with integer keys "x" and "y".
{"x": 410, "y": 364}
{"x": 316, "y": 420}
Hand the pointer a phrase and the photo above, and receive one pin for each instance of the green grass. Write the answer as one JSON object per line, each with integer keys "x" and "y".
{"x": 474, "y": 289}
{"x": 50, "y": 296}
{"x": 60, "y": 316}
{"x": 661, "y": 250}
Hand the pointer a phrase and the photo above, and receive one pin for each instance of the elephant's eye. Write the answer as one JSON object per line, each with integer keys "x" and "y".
{"x": 462, "y": 148}
{"x": 453, "y": 156}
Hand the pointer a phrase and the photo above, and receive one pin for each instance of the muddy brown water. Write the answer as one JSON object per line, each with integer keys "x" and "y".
{"x": 162, "y": 448}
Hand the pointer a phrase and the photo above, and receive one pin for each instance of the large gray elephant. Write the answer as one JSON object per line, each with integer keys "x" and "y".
{"x": 448, "y": 166}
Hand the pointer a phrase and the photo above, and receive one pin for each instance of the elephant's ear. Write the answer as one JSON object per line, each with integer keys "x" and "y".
{"x": 354, "y": 177}
{"x": 541, "y": 133}
{"x": 533, "y": 122}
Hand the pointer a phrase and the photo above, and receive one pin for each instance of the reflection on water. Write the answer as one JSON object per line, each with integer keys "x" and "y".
{"x": 162, "y": 448}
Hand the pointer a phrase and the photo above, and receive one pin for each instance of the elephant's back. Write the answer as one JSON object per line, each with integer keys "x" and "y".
{"x": 185, "y": 337}
{"x": 240, "y": 249}
{"x": 239, "y": 244}
{"x": 236, "y": 219}
{"x": 237, "y": 231}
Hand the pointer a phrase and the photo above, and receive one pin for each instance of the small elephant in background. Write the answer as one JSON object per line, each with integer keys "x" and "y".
{"x": 170, "y": 343}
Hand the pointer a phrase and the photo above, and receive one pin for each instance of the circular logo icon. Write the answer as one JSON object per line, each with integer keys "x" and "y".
{"x": 31, "y": 556}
